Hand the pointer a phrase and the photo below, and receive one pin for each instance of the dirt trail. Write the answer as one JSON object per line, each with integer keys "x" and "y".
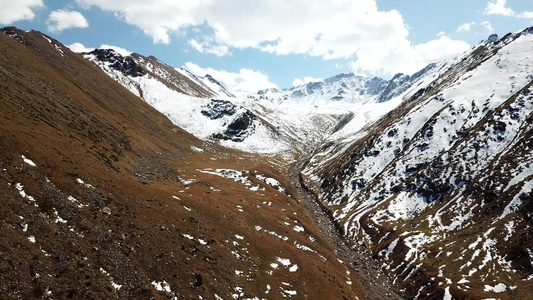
{"x": 377, "y": 284}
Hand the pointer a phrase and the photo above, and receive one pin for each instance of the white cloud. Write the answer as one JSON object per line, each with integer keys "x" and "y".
{"x": 61, "y": 19}
{"x": 526, "y": 15}
{"x": 484, "y": 27}
{"x": 346, "y": 29}
{"x": 437, "y": 50}
{"x": 466, "y": 27}
{"x": 244, "y": 80}
{"x": 406, "y": 58}
{"x": 209, "y": 48}
{"x": 79, "y": 48}
{"x": 19, "y": 10}
{"x": 298, "y": 81}
{"x": 488, "y": 26}
{"x": 119, "y": 50}
{"x": 497, "y": 7}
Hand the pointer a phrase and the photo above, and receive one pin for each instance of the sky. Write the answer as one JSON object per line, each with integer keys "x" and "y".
{"x": 257, "y": 44}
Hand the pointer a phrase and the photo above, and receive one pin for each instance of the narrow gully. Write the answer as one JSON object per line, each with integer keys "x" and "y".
{"x": 377, "y": 283}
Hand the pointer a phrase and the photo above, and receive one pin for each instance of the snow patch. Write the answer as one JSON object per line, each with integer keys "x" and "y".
{"x": 161, "y": 286}
{"x": 499, "y": 288}
{"x": 28, "y": 161}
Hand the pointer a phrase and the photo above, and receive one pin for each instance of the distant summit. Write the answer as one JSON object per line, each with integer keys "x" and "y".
{"x": 493, "y": 38}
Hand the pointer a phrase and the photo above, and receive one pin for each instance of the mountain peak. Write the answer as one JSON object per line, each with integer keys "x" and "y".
{"x": 212, "y": 79}
{"x": 493, "y": 38}
{"x": 126, "y": 65}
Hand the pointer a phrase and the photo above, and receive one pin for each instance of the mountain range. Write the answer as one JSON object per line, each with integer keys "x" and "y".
{"x": 124, "y": 177}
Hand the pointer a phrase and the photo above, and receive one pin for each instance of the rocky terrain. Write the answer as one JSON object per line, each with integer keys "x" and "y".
{"x": 440, "y": 189}
{"x": 104, "y": 198}
{"x": 123, "y": 177}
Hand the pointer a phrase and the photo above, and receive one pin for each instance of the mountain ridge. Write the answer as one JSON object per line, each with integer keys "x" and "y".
{"x": 103, "y": 197}
{"x": 430, "y": 172}
{"x": 401, "y": 95}
{"x": 272, "y": 122}
{"x": 425, "y": 176}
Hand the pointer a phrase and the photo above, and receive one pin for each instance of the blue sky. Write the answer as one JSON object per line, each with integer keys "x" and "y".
{"x": 258, "y": 44}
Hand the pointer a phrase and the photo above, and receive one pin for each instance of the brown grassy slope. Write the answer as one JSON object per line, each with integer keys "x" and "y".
{"x": 122, "y": 226}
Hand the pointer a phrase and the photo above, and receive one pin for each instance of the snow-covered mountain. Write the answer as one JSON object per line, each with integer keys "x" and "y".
{"x": 102, "y": 197}
{"x": 348, "y": 88}
{"x": 200, "y": 105}
{"x": 289, "y": 122}
{"x": 345, "y": 88}
{"x": 432, "y": 172}
{"x": 127, "y": 69}
{"x": 406, "y": 166}
{"x": 441, "y": 188}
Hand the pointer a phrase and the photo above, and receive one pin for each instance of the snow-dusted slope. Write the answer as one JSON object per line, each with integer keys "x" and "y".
{"x": 102, "y": 197}
{"x": 189, "y": 101}
{"x": 345, "y": 88}
{"x": 203, "y": 107}
{"x": 291, "y": 121}
{"x": 441, "y": 188}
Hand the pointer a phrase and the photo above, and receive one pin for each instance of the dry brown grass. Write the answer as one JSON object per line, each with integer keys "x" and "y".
{"x": 74, "y": 122}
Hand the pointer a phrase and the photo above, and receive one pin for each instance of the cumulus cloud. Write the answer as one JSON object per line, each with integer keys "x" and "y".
{"x": 244, "y": 80}
{"x": 61, "y": 19}
{"x": 208, "y": 47}
{"x": 466, "y": 27}
{"x": 488, "y": 26}
{"x": 79, "y": 48}
{"x": 298, "y": 81}
{"x": 13, "y": 11}
{"x": 406, "y": 58}
{"x": 339, "y": 29}
{"x": 484, "y": 27}
{"x": 526, "y": 15}
{"x": 119, "y": 50}
{"x": 498, "y": 7}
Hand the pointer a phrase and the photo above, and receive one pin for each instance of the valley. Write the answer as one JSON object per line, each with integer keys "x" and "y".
{"x": 123, "y": 177}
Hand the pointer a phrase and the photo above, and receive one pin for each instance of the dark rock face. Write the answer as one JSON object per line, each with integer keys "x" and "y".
{"x": 211, "y": 79}
{"x": 493, "y": 38}
{"x": 126, "y": 65}
{"x": 239, "y": 129}
{"x": 262, "y": 92}
{"x": 401, "y": 82}
{"x": 13, "y": 32}
{"x": 340, "y": 93}
{"x": 397, "y": 81}
{"x": 217, "y": 109}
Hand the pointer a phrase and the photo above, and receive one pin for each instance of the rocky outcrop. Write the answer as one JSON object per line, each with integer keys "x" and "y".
{"x": 240, "y": 128}
{"x": 127, "y": 65}
{"x": 440, "y": 188}
{"x": 217, "y": 109}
